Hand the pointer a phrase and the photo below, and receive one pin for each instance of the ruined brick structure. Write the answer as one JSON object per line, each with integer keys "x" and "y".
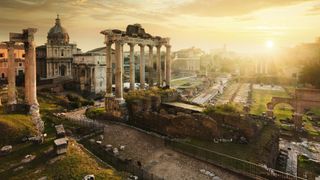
{"x": 302, "y": 100}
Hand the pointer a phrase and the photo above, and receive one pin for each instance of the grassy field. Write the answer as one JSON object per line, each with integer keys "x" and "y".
{"x": 13, "y": 127}
{"x": 262, "y": 97}
{"x": 186, "y": 83}
{"x": 74, "y": 165}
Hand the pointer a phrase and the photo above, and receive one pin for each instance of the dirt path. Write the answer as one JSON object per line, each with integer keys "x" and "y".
{"x": 157, "y": 158}
{"x": 154, "y": 155}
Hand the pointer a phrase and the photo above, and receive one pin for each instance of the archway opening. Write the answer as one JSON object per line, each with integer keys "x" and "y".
{"x": 62, "y": 70}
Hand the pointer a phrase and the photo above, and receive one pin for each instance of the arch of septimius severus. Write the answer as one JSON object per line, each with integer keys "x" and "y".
{"x": 134, "y": 36}
{"x": 27, "y": 38}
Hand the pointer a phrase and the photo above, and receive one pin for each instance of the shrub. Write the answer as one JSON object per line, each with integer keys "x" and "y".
{"x": 223, "y": 109}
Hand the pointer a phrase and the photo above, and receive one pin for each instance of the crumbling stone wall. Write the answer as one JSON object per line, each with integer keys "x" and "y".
{"x": 148, "y": 114}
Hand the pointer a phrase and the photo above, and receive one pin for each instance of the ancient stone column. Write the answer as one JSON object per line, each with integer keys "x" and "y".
{"x": 168, "y": 65}
{"x": 119, "y": 73}
{"x": 11, "y": 74}
{"x": 108, "y": 70}
{"x": 142, "y": 67}
{"x": 150, "y": 66}
{"x": 159, "y": 77}
{"x": 132, "y": 67}
{"x": 30, "y": 57}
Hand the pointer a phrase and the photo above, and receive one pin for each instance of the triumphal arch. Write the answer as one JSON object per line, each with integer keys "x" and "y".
{"x": 134, "y": 35}
{"x": 302, "y": 100}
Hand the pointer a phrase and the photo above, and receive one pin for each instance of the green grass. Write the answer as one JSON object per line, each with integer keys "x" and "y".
{"x": 95, "y": 112}
{"x": 262, "y": 97}
{"x": 308, "y": 126}
{"x": 74, "y": 165}
{"x": 13, "y": 127}
{"x": 308, "y": 168}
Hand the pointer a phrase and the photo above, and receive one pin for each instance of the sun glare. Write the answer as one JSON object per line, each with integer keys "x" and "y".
{"x": 269, "y": 44}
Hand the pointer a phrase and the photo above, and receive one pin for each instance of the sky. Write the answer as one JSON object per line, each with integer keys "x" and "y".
{"x": 242, "y": 25}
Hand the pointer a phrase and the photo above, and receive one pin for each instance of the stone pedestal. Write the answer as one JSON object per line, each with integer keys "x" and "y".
{"x": 116, "y": 107}
{"x": 297, "y": 119}
{"x": 270, "y": 113}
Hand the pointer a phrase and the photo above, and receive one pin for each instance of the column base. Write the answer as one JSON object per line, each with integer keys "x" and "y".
{"x": 116, "y": 108}
{"x": 297, "y": 119}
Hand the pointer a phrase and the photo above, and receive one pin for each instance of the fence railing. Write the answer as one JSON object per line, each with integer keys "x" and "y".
{"x": 86, "y": 122}
{"x": 246, "y": 168}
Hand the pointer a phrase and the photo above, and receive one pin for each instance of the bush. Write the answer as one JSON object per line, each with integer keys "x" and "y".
{"x": 95, "y": 112}
{"x": 224, "y": 109}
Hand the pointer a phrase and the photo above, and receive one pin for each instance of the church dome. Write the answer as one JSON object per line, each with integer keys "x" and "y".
{"x": 57, "y": 34}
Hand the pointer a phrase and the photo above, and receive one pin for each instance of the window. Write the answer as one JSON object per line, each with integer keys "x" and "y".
{"x": 23, "y": 55}
{"x": 62, "y": 52}
{"x": 1, "y": 55}
{"x": 2, "y": 75}
{"x": 20, "y": 64}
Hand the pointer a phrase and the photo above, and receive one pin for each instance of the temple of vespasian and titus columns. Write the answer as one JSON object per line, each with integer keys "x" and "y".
{"x": 134, "y": 35}
{"x": 27, "y": 38}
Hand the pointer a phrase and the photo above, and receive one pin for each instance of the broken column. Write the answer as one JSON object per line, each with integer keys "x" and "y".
{"x": 109, "y": 69}
{"x": 11, "y": 74}
{"x": 31, "y": 75}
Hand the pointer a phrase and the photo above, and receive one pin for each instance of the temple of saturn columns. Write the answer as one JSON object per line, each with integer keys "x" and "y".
{"x": 27, "y": 38}
{"x": 134, "y": 36}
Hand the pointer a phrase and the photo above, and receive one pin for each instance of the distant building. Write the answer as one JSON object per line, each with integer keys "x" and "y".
{"x": 54, "y": 59}
{"x": 19, "y": 60}
{"x": 187, "y": 60}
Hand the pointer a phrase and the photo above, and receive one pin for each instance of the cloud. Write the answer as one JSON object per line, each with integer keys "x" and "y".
{"x": 222, "y": 8}
{"x": 315, "y": 10}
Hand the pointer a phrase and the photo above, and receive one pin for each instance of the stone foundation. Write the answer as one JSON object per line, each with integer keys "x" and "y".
{"x": 116, "y": 108}
{"x": 16, "y": 108}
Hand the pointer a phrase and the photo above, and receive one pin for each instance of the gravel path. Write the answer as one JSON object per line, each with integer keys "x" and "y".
{"x": 157, "y": 158}
{"x": 154, "y": 155}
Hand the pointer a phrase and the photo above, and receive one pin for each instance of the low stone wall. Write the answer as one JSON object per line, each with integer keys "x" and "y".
{"x": 16, "y": 109}
{"x": 148, "y": 113}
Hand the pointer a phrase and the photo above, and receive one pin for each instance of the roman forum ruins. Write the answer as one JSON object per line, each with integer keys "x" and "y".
{"x": 27, "y": 38}
{"x": 134, "y": 35}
